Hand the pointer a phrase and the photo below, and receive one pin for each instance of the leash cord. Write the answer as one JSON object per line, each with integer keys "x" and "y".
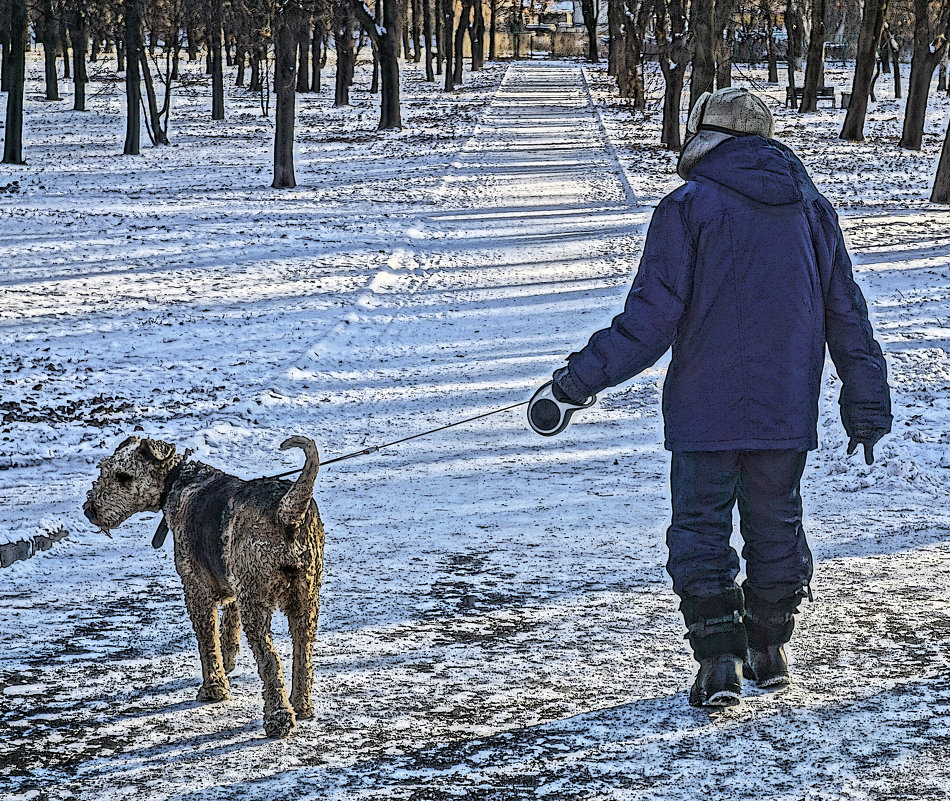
{"x": 374, "y": 448}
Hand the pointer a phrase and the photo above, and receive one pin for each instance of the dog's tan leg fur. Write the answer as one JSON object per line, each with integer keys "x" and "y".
{"x": 203, "y": 611}
{"x": 302, "y": 609}
{"x": 230, "y": 635}
{"x": 256, "y": 616}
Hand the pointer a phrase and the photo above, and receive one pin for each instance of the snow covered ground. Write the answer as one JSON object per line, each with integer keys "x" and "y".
{"x": 496, "y": 622}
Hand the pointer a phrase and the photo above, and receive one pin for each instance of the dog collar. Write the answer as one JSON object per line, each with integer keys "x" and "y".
{"x": 158, "y": 540}
{"x": 161, "y": 532}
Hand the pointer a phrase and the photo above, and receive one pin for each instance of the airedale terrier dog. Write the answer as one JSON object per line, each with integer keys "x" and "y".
{"x": 246, "y": 546}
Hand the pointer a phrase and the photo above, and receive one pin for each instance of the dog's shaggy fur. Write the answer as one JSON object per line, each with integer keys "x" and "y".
{"x": 248, "y": 546}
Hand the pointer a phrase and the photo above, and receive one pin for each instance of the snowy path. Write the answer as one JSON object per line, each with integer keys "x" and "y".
{"x": 540, "y": 143}
{"x": 496, "y": 622}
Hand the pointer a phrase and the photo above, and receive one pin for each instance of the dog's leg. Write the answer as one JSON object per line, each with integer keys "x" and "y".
{"x": 278, "y": 715}
{"x": 302, "y": 610}
{"x": 230, "y": 635}
{"x": 203, "y": 610}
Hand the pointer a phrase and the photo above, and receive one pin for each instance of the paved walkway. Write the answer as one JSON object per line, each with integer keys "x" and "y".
{"x": 540, "y": 143}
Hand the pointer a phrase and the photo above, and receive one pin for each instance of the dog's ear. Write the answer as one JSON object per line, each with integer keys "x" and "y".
{"x": 155, "y": 450}
{"x": 127, "y": 441}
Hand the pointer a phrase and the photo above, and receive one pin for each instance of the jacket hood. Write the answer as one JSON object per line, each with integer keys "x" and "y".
{"x": 760, "y": 169}
{"x": 697, "y": 148}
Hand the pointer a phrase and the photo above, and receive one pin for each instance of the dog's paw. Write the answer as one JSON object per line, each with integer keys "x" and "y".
{"x": 229, "y": 660}
{"x": 209, "y": 693}
{"x": 278, "y": 723}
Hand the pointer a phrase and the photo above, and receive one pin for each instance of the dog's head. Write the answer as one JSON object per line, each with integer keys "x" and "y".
{"x": 132, "y": 480}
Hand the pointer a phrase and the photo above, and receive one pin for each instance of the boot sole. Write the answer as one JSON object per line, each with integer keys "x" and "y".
{"x": 773, "y": 683}
{"x": 723, "y": 698}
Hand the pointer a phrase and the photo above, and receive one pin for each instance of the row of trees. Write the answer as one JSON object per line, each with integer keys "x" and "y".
{"x": 691, "y": 37}
{"x": 149, "y": 38}
{"x": 699, "y": 36}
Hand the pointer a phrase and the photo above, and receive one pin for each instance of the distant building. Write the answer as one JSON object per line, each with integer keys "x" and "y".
{"x": 559, "y": 14}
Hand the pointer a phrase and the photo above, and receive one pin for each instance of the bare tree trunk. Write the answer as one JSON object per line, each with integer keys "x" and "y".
{"x": 477, "y": 36}
{"x": 633, "y": 23}
{"x": 156, "y": 130}
{"x": 345, "y": 55}
{"x": 50, "y": 46}
{"x": 673, "y": 52}
{"x": 941, "y": 190}
{"x": 448, "y": 27}
{"x": 816, "y": 56}
{"x": 133, "y": 87}
{"x": 794, "y": 27}
{"x": 191, "y": 33}
{"x": 64, "y": 42}
{"x": 16, "y": 55}
{"x": 922, "y": 66}
{"x": 589, "y": 10}
{"x": 942, "y": 75}
{"x": 387, "y": 39}
{"x": 704, "y": 54}
{"x": 390, "y": 116}
{"x": 374, "y": 83}
{"x": 724, "y": 23}
{"x": 79, "y": 36}
{"x": 518, "y": 25}
{"x": 254, "y": 82}
{"x": 303, "y": 64}
{"x": 918, "y": 91}
{"x": 438, "y": 22}
{"x": 240, "y": 57}
{"x": 214, "y": 35}
{"x": 896, "y": 62}
{"x": 614, "y": 17}
{"x": 724, "y": 55}
{"x": 770, "y": 44}
{"x": 427, "y": 33}
{"x": 877, "y": 74}
{"x": 872, "y": 24}
{"x": 290, "y": 19}
{"x": 415, "y": 6}
{"x": 460, "y": 31}
{"x": 176, "y": 52}
{"x": 492, "y": 30}
{"x": 5, "y": 63}
{"x": 316, "y": 56}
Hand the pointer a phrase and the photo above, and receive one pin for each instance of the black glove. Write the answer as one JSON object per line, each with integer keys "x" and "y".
{"x": 565, "y": 388}
{"x": 868, "y": 439}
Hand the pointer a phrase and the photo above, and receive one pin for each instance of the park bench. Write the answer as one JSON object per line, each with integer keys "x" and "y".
{"x": 824, "y": 93}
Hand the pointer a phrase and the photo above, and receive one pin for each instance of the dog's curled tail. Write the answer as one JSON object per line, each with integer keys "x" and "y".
{"x": 294, "y": 505}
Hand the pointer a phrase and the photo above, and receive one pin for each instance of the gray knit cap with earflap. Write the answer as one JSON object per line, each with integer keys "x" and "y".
{"x": 720, "y": 116}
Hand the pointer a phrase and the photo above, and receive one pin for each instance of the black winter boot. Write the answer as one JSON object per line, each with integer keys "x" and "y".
{"x": 718, "y": 638}
{"x": 769, "y": 627}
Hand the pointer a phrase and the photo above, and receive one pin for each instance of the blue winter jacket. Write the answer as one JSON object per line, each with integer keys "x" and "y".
{"x": 745, "y": 273}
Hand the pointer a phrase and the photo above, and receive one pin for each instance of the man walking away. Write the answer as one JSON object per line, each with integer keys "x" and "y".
{"x": 745, "y": 273}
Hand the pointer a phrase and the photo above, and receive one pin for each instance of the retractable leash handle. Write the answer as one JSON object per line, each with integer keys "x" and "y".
{"x": 549, "y": 416}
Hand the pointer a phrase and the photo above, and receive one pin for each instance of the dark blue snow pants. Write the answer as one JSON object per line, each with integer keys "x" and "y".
{"x": 706, "y": 486}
